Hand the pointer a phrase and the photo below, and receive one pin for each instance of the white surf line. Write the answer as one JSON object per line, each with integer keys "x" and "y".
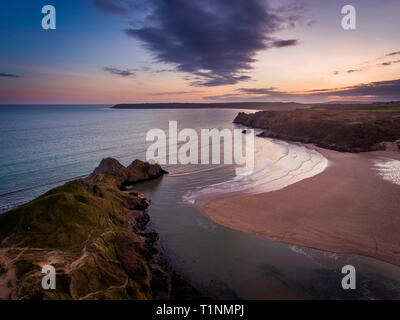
{"x": 279, "y": 165}
{"x": 389, "y": 170}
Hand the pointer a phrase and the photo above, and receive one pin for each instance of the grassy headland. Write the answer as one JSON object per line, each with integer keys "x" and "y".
{"x": 93, "y": 231}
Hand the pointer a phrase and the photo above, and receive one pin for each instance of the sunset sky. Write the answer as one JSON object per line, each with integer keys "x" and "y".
{"x": 106, "y": 51}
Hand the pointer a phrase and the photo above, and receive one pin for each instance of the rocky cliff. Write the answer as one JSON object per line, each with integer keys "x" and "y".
{"x": 344, "y": 129}
{"x": 93, "y": 231}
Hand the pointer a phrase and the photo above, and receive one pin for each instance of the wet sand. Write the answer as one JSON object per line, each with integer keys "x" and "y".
{"x": 348, "y": 208}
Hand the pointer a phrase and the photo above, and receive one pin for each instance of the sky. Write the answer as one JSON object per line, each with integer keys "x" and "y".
{"x": 134, "y": 51}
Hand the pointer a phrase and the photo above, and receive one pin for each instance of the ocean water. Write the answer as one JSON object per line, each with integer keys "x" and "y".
{"x": 44, "y": 146}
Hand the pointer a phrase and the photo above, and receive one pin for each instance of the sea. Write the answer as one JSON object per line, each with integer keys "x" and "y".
{"x": 43, "y": 146}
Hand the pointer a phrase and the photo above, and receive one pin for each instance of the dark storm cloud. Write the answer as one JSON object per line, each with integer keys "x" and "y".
{"x": 384, "y": 90}
{"x": 9, "y": 75}
{"x": 214, "y": 41}
{"x": 285, "y": 43}
{"x": 120, "y": 72}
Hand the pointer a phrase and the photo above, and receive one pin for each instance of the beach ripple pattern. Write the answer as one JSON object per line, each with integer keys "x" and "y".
{"x": 278, "y": 164}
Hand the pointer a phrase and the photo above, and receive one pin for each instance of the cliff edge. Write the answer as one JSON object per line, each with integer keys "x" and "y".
{"x": 350, "y": 129}
{"x": 93, "y": 231}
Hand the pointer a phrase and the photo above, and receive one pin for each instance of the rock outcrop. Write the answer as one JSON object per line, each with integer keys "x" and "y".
{"x": 95, "y": 235}
{"x": 137, "y": 171}
{"x": 389, "y": 146}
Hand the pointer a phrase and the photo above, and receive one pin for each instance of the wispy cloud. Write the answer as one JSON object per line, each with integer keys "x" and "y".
{"x": 120, "y": 72}
{"x": 9, "y": 75}
{"x": 384, "y": 90}
{"x": 175, "y": 93}
{"x": 367, "y": 65}
{"x": 388, "y": 63}
{"x": 355, "y": 70}
{"x": 258, "y": 90}
{"x": 311, "y": 23}
{"x": 392, "y": 54}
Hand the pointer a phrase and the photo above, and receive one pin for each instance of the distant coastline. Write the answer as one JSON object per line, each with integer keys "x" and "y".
{"x": 256, "y": 105}
{"x": 222, "y": 105}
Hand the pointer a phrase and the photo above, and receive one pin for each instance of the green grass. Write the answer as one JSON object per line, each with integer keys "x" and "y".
{"x": 393, "y": 109}
{"x": 61, "y": 218}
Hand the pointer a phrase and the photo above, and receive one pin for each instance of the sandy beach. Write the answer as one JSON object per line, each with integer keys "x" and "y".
{"x": 348, "y": 208}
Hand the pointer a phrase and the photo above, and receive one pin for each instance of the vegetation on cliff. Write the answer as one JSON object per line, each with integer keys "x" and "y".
{"x": 93, "y": 231}
{"x": 353, "y": 128}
